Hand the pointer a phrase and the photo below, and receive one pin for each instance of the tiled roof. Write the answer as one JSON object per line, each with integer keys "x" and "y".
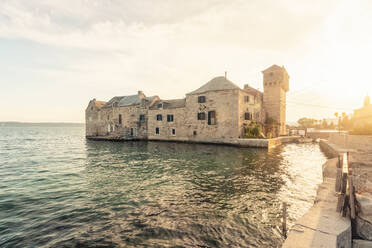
{"x": 99, "y": 104}
{"x": 252, "y": 90}
{"x": 217, "y": 83}
{"x": 129, "y": 100}
{"x": 122, "y": 101}
{"x": 170, "y": 104}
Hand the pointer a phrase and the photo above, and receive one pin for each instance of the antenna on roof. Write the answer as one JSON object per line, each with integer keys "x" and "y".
{"x": 225, "y": 74}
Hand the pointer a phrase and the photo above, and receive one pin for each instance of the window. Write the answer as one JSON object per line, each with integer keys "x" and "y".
{"x": 247, "y": 116}
{"x": 212, "y": 118}
{"x": 108, "y": 117}
{"x": 159, "y": 117}
{"x": 160, "y": 105}
{"x": 194, "y": 133}
{"x": 131, "y": 132}
{"x": 173, "y": 131}
{"x": 201, "y": 116}
{"x": 142, "y": 117}
{"x": 169, "y": 118}
{"x": 157, "y": 131}
{"x": 201, "y": 99}
{"x": 120, "y": 120}
{"x": 246, "y": 98}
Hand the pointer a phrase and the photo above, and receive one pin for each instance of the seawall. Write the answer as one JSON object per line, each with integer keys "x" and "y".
{"x": 256, "y": 143}
{"x": 322, "y": 226}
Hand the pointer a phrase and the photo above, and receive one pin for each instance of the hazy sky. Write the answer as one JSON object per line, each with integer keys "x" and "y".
{"x": 57, "y": 55}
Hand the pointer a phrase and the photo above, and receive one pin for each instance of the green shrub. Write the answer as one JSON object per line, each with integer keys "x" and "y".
{"x": 253, "y": 131}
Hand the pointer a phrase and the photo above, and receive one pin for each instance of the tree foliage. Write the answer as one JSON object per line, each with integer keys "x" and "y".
{"x": 307, "y": 122}
{"x": 253, "y": 131}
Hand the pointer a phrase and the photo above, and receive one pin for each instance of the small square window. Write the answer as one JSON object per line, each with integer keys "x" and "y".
{"x": 194, "y": 133}
{"x": 201, "y": 116}
{"x": 142, "y": 117}
{"x": 173, "y": 131}
{"x": 201, "y": 99}
{"x": 159, "y": 117}
{"x": 160, "y": 105}
{"x": 157, "y": 131}
{"x": 247, "y": 116}
{"x": 169, "y": 118}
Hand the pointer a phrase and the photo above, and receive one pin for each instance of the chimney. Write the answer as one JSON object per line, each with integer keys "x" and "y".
{"x": 141, "y": 94}
{"x": 246, "y": 86}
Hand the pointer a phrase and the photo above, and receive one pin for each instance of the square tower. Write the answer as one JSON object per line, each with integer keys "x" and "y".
{"x": 276, "y": 85}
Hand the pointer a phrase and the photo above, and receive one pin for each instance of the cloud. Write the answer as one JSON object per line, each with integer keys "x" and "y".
{"x": 169, "y": 47}
{"x": 125, "y": 25}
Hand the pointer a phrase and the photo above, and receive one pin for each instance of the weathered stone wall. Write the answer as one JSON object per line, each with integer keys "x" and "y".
{"x": 165, "y": 127}
{"x": 254, "y": 106}
{"x": 274, "y": 97}
{"x": 107, "y": 122}
{"x": 225, "y": 103}
{"x": 91, "y": 119}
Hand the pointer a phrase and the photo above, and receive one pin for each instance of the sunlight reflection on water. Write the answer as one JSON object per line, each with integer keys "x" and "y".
{"x": 57, "y": 189}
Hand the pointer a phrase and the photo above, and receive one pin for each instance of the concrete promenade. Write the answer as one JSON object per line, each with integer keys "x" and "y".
{"x": 322, "y": 226}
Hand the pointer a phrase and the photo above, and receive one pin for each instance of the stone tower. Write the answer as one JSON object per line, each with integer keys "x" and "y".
{"x": 367, "y": 101}
{"x": 276, "y": 85}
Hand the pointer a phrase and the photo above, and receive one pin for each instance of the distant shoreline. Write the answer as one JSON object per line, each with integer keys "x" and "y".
{"x": 22, "y": 124}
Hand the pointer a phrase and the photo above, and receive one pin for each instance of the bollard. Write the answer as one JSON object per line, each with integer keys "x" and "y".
{"x": 352, "y": 199}
{"x": 284, "y": 223}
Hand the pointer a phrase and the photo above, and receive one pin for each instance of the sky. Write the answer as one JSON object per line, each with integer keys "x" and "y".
{"x": 57, "y": 55}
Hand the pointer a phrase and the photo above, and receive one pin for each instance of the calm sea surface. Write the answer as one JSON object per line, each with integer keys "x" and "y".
{"x": 59, "y": 190}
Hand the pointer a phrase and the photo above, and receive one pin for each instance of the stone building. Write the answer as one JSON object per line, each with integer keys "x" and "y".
{"x": 363, "y": 116}
{"x": 217, "y": 110}
{"x": 276, "y": 85}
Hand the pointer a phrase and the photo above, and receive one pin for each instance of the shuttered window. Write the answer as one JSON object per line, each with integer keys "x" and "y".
{"x": 169, "y": 118}
{"x": 212, "y": 118}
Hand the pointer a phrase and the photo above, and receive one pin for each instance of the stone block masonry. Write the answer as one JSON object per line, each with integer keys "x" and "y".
{"x": 217, "y": 112}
